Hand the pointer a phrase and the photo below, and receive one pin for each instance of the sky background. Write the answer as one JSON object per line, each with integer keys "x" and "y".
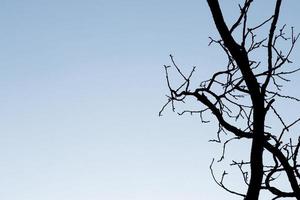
{"x": 81, "y": 84}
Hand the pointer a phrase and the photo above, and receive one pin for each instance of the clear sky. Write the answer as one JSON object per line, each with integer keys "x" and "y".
{"x": 81, "y": 84}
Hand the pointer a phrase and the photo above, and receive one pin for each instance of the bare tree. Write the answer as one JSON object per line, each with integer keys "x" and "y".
{"x": 242, "y": 97}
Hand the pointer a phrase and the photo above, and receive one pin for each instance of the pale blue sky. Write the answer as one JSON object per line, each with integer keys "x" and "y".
{"x": 81, "y": 84}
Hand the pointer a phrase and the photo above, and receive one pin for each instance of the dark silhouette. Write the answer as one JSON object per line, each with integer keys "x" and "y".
{"x": 242, "y": 97}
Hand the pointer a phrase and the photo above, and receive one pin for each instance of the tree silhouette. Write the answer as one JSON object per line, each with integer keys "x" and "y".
{"x": 242, "y": 96}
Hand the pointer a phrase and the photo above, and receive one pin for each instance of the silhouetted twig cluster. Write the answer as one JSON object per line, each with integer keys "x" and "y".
{"x": 243, "y": 94}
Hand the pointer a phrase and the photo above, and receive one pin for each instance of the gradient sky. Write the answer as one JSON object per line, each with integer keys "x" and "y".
{"x": 81, "y": 84}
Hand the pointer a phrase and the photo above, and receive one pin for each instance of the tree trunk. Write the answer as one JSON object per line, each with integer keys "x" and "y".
{"x": 256, "y": 157}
